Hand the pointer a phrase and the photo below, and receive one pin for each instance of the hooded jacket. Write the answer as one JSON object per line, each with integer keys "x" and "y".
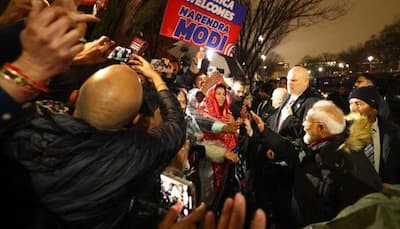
{"x": 87, "y": 177}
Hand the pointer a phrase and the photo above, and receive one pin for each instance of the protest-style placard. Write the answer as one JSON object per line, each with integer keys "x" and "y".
{"x": 214, "y": 24}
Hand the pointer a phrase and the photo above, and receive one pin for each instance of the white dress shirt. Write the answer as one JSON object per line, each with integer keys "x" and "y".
{"x": 284, "y": 111}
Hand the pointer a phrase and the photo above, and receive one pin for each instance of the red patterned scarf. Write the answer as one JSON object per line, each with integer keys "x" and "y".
{"x": 210, "y": 107}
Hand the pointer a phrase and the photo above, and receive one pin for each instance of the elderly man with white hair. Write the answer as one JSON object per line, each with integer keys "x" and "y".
{"x": 330, "y": 171}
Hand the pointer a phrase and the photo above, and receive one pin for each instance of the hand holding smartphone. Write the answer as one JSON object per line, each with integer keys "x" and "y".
{"x": 174, "y": 189}
{"x": 120, "y": 54}
{"x": 161, "y": 65}
{"x": 123, "y": 54}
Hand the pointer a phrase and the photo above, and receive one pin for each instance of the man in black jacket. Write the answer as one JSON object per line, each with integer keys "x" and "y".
{"x": 85, "y": 168}
{"x": 290, "y": 116}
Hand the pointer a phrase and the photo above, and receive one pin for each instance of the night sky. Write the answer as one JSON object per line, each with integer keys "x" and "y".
{"x": 365, "y": 18}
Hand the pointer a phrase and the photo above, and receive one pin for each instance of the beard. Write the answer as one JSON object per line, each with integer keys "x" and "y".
{"x": 307, "y": 138}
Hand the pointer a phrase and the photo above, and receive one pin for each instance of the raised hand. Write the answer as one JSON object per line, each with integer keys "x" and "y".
{"x": 231, "y": 127}
{"x": 233, "y": 157}
{"x": 50, "y": 41}
{"x": 189, "y": 222}
{"x": 16, "y": 9}
{"x": 169, "y": 68}
{"x": 95, "y": 52}
{"x": 259, "y": 121}
{"x": 142, "y": 66}
{"x": 233, "y": 216}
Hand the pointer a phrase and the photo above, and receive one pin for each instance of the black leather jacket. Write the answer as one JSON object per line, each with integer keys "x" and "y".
{"x": 86, "y": 177}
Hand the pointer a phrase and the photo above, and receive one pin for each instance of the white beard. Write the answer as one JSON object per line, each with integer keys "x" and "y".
{"x": 307, "y": 138}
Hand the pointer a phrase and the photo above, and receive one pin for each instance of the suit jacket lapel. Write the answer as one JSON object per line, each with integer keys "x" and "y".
{"x": 279, "y": 113}
{"x": 384, "y": 141}
{"x": 297, "y": 104}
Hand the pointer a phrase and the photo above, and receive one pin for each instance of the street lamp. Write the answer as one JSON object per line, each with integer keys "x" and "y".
{"x": 370, "y": 59}
{"x": 210, "y": 54}
{"x": 260, "y": 38}
{"x": 263, "y": 57}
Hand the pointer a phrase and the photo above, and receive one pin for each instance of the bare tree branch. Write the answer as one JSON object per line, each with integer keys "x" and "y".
{"x": 272, "y": 20}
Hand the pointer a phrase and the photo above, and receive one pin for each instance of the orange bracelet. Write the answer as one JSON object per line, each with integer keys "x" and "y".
{"x": 24, "y": 87}
{"x": 17, "y": 72}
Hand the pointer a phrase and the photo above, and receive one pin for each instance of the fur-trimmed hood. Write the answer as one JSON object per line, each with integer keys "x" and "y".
{"x": 358, "y": 133}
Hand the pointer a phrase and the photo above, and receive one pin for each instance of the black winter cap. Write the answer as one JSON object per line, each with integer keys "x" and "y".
{"x": 369, "y": 94}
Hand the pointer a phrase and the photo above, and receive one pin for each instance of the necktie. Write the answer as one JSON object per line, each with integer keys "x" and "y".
{"x": 369, "y": 153}
{"x": 376, "y": 152}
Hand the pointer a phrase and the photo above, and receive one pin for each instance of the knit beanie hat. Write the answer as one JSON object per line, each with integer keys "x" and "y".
{"x": 369, "y": 95}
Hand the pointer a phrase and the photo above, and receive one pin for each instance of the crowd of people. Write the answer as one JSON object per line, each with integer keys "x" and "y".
{"x": 85, "y": 139}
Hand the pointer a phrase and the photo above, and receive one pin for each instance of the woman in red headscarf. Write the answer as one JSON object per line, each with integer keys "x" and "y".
{"x": 216, "y": 105}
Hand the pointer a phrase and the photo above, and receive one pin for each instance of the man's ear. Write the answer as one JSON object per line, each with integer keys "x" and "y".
{"x": 73, "y": 97}
{"x": 323, "y": 130}
{"x": 136, "y": 119}
{"x": 141, "y": 120}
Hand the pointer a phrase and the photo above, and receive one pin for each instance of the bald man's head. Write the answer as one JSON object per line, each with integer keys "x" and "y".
{"x": 278, "y": 96}
{"x": 298, "y": 80}
{"x": 110, "y": 98}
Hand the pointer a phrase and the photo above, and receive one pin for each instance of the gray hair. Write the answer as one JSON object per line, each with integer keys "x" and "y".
{"x": 326, "y": 112}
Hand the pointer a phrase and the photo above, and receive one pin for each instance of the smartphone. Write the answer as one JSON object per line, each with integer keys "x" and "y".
{"x": 98, "y": 7}
{"x": 138, "y": 46}
{"x": 158, "y": 64}
{"x": 174, "y": 189}
{"x": 120, "y": 54}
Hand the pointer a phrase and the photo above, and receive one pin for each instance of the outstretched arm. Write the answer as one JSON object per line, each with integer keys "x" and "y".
{"x": 170, "y": 135}
{"x": 282, "y": 147}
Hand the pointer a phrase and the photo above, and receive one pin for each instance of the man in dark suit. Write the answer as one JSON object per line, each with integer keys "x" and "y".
{"x": 264, "y": 108}
{"x": 288, "y": 122}
{"x": 384, "y": 156}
